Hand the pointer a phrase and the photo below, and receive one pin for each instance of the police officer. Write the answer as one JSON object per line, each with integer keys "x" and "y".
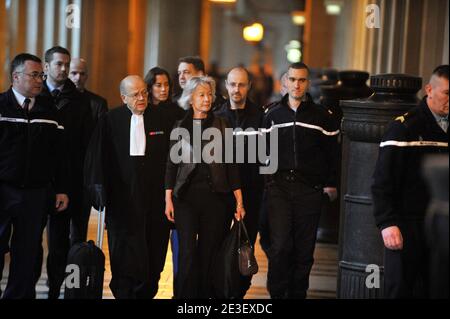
{"x": 295, "y": 193}
{"x": 32, "y": 168}
{"x": 400, "y": 195}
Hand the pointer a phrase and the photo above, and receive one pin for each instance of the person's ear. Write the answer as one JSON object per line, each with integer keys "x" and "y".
{"x": 124, "y": 98}
{"x": 15, "y": 77}
{"x": 428, "y": 90}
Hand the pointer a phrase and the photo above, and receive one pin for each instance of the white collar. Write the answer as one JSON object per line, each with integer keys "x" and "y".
{"x": 51, "y": 88}
{"x": 20, "y": 99}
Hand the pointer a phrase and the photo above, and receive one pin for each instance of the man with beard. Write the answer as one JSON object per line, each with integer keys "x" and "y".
{"x": 125, "y": 169}
{"x": 241, "y": 113}
{"x": 69, "y": 227}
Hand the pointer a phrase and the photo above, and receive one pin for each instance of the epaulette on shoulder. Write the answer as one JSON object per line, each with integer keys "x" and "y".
{"x": 325, "y": 109}
{"x": 402, "y": 118}
{"x": 272, "y": 106}
{"x": 269, "y": 106}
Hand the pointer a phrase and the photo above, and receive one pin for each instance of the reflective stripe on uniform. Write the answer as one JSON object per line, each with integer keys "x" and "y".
{"x": 22, "y": 120}
{"x": 413, "y": 143}
{"x": 310, "y": 126}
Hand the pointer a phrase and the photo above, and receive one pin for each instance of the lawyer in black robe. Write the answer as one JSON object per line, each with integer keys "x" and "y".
{"x": 132, "y": 189}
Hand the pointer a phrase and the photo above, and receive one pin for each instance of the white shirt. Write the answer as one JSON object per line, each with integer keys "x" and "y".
{"x": 137, "y": 135}
{"x": 20, "y": 99}
{"x": 51, "y": 88}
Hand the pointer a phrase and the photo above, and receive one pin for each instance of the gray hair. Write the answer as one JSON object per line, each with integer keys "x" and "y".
{"x": 191, "y": 85}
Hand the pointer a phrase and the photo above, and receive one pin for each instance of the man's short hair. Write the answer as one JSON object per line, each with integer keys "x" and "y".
{"x": 441, "y": 71}
{"x": 196, "y": 61}
{"x": 56, "y": 49}
{"x": 299, "y": 66}
{"x": 20, "y": 59}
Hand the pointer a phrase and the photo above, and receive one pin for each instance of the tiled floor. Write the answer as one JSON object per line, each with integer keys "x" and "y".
{"x": 322, "y": 280}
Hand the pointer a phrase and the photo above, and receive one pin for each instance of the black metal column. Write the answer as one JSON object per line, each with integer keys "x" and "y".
{"x": 363, "y": 125}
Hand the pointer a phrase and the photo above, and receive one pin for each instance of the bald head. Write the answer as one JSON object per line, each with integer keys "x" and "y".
{"x": 133, "y": 91}
{"x": 78, "y": 73}
{"x": 238, "y": 85}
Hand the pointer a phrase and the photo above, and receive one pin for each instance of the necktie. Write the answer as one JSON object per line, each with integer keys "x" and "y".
{"x": 137, "y": 135}
{"x": 55, "y": 93}
{"x": 443, "y": 123}
{"x": 26, "y": 105}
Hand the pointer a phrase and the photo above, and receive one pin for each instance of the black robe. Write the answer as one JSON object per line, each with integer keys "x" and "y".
{"x": 131, "y": 187}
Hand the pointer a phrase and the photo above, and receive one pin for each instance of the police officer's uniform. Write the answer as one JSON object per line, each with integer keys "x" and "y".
{"x": 306, "y": 164}
{"x": 400, "y": 196}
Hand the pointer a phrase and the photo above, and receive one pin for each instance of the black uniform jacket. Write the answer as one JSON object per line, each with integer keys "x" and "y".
{"x": 32, "y": 149}
{"x": 399, "y": 189}
{"x": 307, "y": 141}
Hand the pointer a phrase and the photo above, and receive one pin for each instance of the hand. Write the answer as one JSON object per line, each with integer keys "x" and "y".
{"x": 331, "y": 192}
{"x": 240, "y": 213}
{"x": 392, "y": 238}
{"x": 170, "y": 211}
{"x": 62, "y": 201}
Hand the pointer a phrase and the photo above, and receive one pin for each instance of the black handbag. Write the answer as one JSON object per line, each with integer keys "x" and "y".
{"x": 226, "y": 276}
{"x": 246, "y": 253}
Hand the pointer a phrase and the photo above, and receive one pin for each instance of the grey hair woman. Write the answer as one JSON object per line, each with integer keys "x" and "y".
{"x": 197, "y": 196}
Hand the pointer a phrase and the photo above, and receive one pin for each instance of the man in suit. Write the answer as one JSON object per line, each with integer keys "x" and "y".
{"x": 32, "y": 170}
{"x": 70, "y": 227}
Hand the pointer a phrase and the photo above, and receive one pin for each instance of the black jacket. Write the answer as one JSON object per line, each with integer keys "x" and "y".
{"x": 224, "y": 176}
{"x": 98, "y": 104}
{"x": 250, "y": 117}
{"x": 307, "y": 141}
{"x": 75, "y": 115}
{"x": 32, "y": 150}
{"x": 399, "y": 189}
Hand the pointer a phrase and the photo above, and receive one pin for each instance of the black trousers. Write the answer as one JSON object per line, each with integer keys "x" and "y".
{"x": 22, "y": 209}
{"x": 64, "y": 229}
{"x": 155, "y": 236}
{"x": 406, "y": 271}
{"x": 293, "y": 217}
{"x": 202, "y": 220}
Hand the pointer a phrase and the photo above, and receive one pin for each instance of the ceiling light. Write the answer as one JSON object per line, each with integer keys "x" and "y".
{"x": 254, "y": 32}
{"x": 298, "y": 18}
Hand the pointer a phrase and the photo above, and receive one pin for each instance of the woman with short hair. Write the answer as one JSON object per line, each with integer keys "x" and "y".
{"x": 197, "y": 194}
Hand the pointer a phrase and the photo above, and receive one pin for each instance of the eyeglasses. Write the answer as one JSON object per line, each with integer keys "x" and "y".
{"x": 36, "y": 75}
{"x": 142, "y": 94}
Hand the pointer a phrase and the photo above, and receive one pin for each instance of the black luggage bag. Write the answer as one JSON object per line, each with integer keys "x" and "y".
{"x": 86, "y": 267}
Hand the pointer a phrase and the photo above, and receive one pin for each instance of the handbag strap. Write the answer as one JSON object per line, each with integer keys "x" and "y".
{"x": 242, "y": 224}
